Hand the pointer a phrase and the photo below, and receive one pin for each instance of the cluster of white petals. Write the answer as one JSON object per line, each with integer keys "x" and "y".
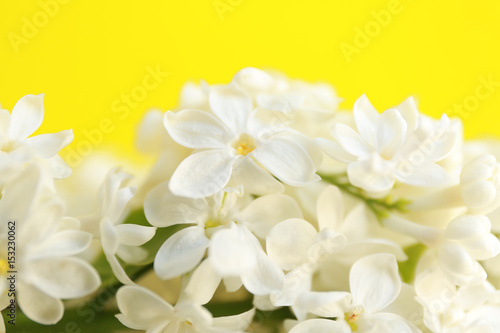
{"x": 267, "y": 209}
{"x": 46, "y": 262}
{"x": 19, "y": 149}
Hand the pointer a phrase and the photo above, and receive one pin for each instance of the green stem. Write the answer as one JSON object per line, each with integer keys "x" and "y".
{"x": 112, "y": 288}
{"x": 380, "y": 207}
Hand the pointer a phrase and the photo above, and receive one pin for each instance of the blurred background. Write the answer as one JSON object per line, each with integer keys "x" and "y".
{"x": 103, "y": 64}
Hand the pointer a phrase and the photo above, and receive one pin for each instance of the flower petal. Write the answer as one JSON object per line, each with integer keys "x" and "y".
{"x": 330, "y": 208}
{"x": 321, "y": 325}
{"x": 478, "y": 194}
{"x": 232, "y": 283}
{"x": 48, "y": 145}
{"x": 391, "y": 132}
{"x": 202, "y": 174}
{"x": 253, "y": 178}
{"x": 265, "y": 212}
{"x": 163, "y": 209}
{"x": 356, "y": 250}
{"x": 109, "y": 237}
{"x": 265, "y": 278}
{"x": 350, "y": 141}
{"x": 454, "y": 258}
{"x": 311, "y": 148}
{"x": 324, "y": 304}
{"x": 196, "y": 129}
{"x": 232, "y": 252}
{"x": 286, "y": 103}
{"x": 238, "y": 322}
{"x": 134, "y": 255}
{"x": 117, "y": 269}
{"x": 66, "y": 277}
{"x": 409, "y": 111}
{"x": 288, "y": 242}
{"x": 232, "y": 105}
{"x": 335, "y": 150}
{"x": 141, "y": 307}
{"x": 114, "y": 194}
{"x": 467, "y": 227}
{"x": 133, "y": 234}
{"x": 253, "y": 80}
{"x": 297, "y": 282}
{"x": 379, "y": 270}
{"x": 287, "y": 161}
{"x": 371, "y": 178}
{"x": 151, "y": 132}
{"x": 202, "y": 283}
{"x": 39, "y": 306}
{"x": 181, "y": 252}
{"x": 64, "y": 243}
{"x": 366, "y": 116}
{"x": 326, "y": 243}
{"x": 425, "y": 173}
{"x": 26, "y": 117}
{"x": 390, "y": 323}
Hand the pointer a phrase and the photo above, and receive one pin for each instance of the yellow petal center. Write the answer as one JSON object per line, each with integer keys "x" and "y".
{"x": 244, "y": 145}
{"x": 351, "y": 318}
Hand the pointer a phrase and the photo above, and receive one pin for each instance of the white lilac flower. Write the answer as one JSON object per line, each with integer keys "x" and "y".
{"x": 480, "y": 184}
{"x": 118, "y": 239}
{"x": 194, "y": 96}
{"x": 225, "y": 225}
{"x": 18, "y": 147}
{"x": 466, "y": 240}
{"x": 297, "y": 247}
{"x": 153, "y": 140}
{"x": 477, "y": 191}
{"x": 141, "y": 309}
{"x": 394, "y": 145}
{"x": 374, "y": 285}
{"x": 238, "y": 143}
{"x": 449, "y": 309}
{"x": 48, "y": 269}
{"x": 306, "y": 107}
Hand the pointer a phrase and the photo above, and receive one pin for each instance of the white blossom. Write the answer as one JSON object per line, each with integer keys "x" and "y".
{"x": 226, "y": 228}
{"x": 394, "y": 145}
{"x": 456, "y": 249}
{"x": 118, "y": 239}
{"x": 141, "y": 309}
{"x": 48, "y": 269}
{"x": 18, "y": 147}
{"x": 362, "y": 310}
{"x": 480, "y": 184}
{"x": 255, "y": 219}
{"x": 235, "y": 142}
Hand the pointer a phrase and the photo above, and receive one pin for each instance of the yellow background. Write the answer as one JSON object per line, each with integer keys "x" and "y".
{"x": 90, "y": 52}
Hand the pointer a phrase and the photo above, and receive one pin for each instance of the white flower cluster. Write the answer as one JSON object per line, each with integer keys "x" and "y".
{"x": 327, "y": 221}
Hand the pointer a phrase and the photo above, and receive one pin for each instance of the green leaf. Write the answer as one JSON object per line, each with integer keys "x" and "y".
{"x": 88, "y": 318}
{"x": 407, "y": 268}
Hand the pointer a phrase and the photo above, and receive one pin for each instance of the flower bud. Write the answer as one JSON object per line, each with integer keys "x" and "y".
{"x": 480, "y": 184}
